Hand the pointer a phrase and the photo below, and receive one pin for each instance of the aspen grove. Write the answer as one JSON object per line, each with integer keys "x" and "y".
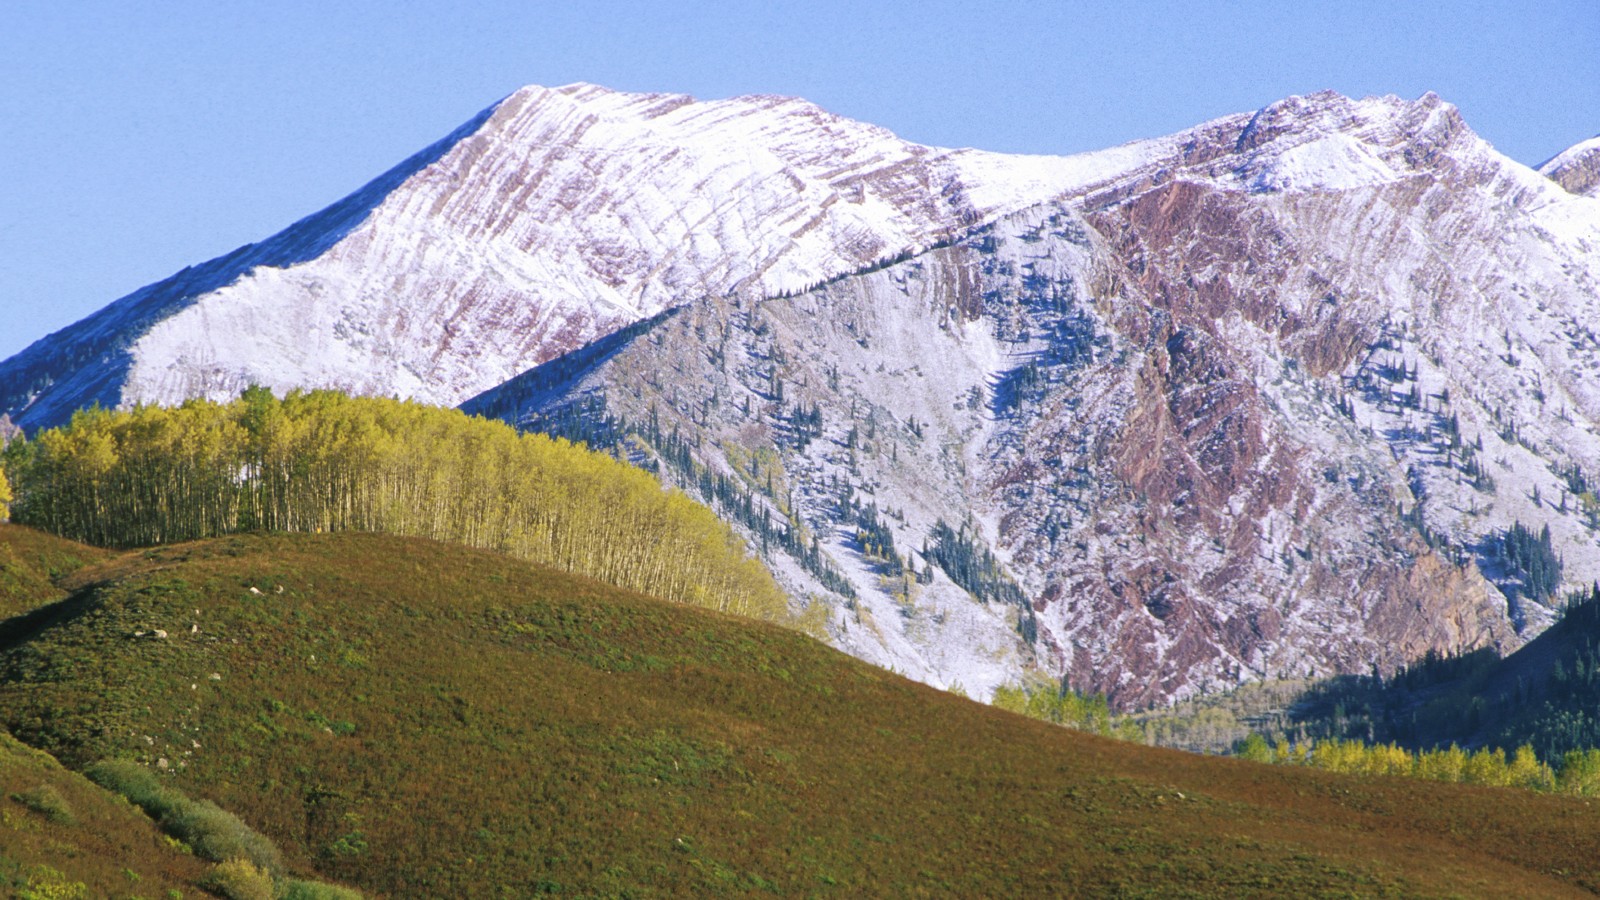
{"x": 324, "y": 461}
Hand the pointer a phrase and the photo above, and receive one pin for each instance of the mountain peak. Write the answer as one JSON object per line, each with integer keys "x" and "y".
{"x": 1182, "y": 403}
{"x": 556, "y": 216}
{"x": 561, "y": 214}
{"x": 1327, "y": 141}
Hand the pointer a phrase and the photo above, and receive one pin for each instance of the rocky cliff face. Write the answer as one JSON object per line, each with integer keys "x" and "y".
{"x": 1258, "y": 404}
{"x": 1577, "y": 169}
{"x": 1261, "y": 398}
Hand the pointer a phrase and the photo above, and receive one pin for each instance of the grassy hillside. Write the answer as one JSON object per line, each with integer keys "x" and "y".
{"x": 63, "y": 837}
{"x": 30, "y": 564}
{"x": 421, "y": 719}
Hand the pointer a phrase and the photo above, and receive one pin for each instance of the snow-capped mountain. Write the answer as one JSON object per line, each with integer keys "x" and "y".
{"x": 1259, "y": 398}
{"x": 548, "y": 220}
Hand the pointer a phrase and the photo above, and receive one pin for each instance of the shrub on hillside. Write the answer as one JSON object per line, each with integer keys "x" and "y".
{"x": 215, "y": 833}
{"x": 238, "y": 879}
{"x": 45, "y": 883}
{"x": 48, "y": 802}
{"x": 133, "y": 781}
{"x": 211, "y": 831}
{"x": 316, "y": 890}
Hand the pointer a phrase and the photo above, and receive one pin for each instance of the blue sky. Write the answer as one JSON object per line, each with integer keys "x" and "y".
{"x": 139, "y": 138}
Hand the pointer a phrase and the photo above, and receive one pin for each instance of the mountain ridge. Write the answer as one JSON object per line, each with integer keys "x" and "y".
{"x": 507, "y": 175}
{"x": 98, "y": 344}
{"x": 1577, "y": 168}
{"x": 969, "y": 176}
{"x": 1180, "y": 351}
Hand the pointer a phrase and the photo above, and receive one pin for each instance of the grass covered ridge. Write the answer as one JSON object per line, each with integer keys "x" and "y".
{"x": 420, "y": 719}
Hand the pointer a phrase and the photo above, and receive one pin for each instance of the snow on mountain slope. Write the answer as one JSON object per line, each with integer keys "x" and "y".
{"x": 549, "y": 220}
{"x": 89, "y": 362}
{"x": 1258, "y": 399}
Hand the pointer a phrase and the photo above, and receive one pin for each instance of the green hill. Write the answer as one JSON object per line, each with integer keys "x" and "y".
{"x": 421, "y": 719}
{"x": 31, "y": 562}
{"x": 63, "y": 837}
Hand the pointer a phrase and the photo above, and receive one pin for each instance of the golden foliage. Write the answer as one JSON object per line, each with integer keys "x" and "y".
{"x": 1578, "y": 773}
{"x": 324, "y": 461}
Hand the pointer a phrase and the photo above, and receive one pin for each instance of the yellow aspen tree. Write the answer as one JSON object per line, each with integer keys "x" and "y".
{"x": 1526, "y": 771}
{"x": 1580, "y": 772}
{"x": 318, "y": 460}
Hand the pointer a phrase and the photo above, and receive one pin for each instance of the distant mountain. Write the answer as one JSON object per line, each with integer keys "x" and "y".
{"x": 1261, "y": 399}
{"x": 1268, "y": 397}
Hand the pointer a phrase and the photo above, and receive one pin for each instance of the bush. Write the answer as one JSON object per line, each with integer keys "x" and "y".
{"x": 133, "y": 781}
{"x": 48, "y": 802}
{"x": 211, "y": 831}
{"x": 217, "y": 834}
{"x": 45, "y": 883}
{"x": 316, "y": 890}
{"x": 239, "y": 879}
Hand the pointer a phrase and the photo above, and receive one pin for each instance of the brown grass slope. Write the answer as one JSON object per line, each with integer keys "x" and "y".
{"x": 62, "y": 836}
{"x": 420, "y": 719}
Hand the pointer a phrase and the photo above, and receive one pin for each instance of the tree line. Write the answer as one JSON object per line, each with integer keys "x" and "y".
{"x": 324, "y": 461}
{"x": 1065, "y": 706}
{"x": 1576, "y": 771}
